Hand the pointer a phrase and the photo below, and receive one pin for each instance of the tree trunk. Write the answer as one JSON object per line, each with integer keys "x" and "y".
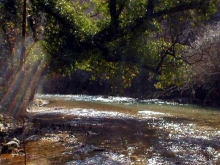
{"x": 23, "y": 52}
{"x": 23, "y": 83}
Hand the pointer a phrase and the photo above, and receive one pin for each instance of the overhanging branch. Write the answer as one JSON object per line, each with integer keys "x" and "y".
{"x": 114, "y": 31}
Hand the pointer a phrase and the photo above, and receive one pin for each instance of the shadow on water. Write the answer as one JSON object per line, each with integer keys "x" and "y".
{"x": 94, "y": 138}
{"x": 116, "y": 135}
{"x": 138, "y": 140}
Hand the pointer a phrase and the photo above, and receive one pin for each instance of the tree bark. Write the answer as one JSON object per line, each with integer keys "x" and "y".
{"x": 23, "y": 52}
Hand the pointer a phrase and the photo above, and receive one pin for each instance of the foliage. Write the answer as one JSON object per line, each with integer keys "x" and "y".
{"x": 114, "y": 39}
{"x": 106, "y": 37}
{"x": 205, "y": 70}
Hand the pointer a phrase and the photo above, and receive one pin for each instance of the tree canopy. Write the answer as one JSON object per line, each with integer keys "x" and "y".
{"x": 95, "y": 35}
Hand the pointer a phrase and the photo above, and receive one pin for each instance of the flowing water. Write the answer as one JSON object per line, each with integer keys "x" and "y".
{"x": 81, "y": 130}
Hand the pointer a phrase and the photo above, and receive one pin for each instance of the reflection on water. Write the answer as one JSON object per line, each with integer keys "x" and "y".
{"x": 79, "y": 129}
{"x": 200, "y": 115}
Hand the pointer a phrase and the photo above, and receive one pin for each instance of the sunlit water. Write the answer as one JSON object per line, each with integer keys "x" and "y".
{"x": 120, "y": 130}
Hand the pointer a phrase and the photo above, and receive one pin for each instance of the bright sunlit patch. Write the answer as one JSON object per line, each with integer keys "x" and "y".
{"x": 22, "y": 80}
{"x": 152, "y": 114}
{"x": 107, "y": 99}
{"x": 80, "y": 112}
{"x": 105, "y": 158}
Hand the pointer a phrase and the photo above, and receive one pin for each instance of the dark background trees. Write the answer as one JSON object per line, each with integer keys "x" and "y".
{"x": 204, "y": 59}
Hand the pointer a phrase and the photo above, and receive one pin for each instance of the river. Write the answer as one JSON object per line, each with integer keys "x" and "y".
{"x": 82, "y": 130}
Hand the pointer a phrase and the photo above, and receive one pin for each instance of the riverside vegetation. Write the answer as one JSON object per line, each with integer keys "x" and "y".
{"x": 174, "y": 43}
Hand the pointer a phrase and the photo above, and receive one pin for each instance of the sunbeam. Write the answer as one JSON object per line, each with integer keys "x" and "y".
{"x": 22, "y": 82}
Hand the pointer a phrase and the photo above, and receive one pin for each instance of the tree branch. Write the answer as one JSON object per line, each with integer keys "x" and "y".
{"x": 113, "y": 31}
{"x": 113, "y": 13}
{"x": 106, "y": 34}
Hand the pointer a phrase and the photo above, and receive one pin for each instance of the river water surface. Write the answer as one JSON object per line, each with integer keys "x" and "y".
{"x": 81, "y": 130}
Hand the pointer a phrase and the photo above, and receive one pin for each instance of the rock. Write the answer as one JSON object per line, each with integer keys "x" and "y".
{"x": 38, "y": 103}
{"x": 17, "y": 152}
{"x": 10, "y": 147}
{"x": 84, "y": 148}
{"x": 16, "y": 140}
{"x": 33, "y": 138}
{"x": 12, "y": 144}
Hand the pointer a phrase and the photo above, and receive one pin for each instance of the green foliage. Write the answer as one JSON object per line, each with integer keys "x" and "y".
{"x": 35, "y": 52}
{"x": 115, "y": 72}
{"x": 172, "y": 75}
{"x": 114, "y": 38}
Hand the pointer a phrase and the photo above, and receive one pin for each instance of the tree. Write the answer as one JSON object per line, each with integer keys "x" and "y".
{"x": 205, "y": 71}
{"x": 95, "y": 31}
{"x": 17, "y": 86}
{"x": 106, "y": 35}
